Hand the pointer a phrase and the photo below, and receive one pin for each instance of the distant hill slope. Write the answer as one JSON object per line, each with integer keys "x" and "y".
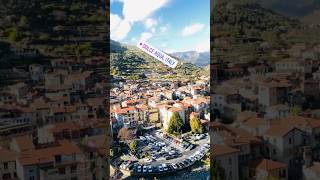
{"x": 293, "y": 8}
{"x": 200, "y": 59}
{"x": 242, "y": 28}
{"x": 130, "y": 62}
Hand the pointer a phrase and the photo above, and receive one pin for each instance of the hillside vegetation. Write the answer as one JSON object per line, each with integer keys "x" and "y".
{"x": 129, "y": 62}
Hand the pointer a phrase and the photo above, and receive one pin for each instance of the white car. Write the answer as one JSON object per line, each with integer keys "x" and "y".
{"x": 145, "y": 169}
{"x": 165, "y": 168}
{"x": 149, "y": 169}
{"x": 139, "y": 169}
{"x": 160, "y": 168}
{"x": 148, "y": 160}
{"x": 172, "y": 152}
{"x": 174, "y": 166}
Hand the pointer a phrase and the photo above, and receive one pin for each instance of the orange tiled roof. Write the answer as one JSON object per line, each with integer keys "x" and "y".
{"x": 6, "y": 155}
{"x": 267, "y": 165}
{"x": 47, "y": 155}
{"x": 24, "y": 142}
{"x": 175, "y": 109}
{"x": 220, "y": 150}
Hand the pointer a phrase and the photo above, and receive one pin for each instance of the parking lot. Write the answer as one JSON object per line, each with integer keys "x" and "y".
{"x": 166, "y": 154}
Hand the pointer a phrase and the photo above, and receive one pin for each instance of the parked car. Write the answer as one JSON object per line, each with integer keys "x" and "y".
{"x": 174, "y": 166}
{"x": 139, "y": 168}
{"x": 160, "y": 168}
{"x": 150, "y": 169}
{"x": 165, "y": 168}
{"x": 145, "y": 169}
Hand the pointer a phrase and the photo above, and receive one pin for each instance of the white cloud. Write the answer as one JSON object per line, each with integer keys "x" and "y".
{"x": 114, "y": 21}
{"x": 119, "y": 28}
{"x": 153, "y": 30}
{"x": 149, "y": 23}
{"x": 139, "y": 10}
{"x": 145, "y": 36}
{"x": 192, "y": 29}
{"x": 132, "y": 13}
{"x": 203, "y": 46}
{"x": 163, "y": 29}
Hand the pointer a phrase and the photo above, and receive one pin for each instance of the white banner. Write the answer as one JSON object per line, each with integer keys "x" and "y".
{"x": 161, "y": 56}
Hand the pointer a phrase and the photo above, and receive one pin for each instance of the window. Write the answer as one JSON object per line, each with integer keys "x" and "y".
{"x": 290, "y": 141}
{"x": 57, "y": 158}
{"x": 5, "y": 165}
{"x": 62, "y": 171}
{"x": 31, "y": 178}
{"x": 274, "y": 151}
{"x": 230, "y": 161}
{"x": 91, "y": 155}
{"x": 73, "y": 156}
{"x": 73, "y": 169}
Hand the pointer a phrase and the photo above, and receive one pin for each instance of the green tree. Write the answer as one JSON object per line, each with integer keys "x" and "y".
{"x": 12, "y": 34}
{"x": 296, "y": 110}
{"x": 175, "y": 123}
{"x": 23, "y": 22}
{"x": 195, "y": 125}
{"x": 133, "y": 145}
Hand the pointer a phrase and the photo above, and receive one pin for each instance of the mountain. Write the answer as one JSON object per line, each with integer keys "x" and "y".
{"x": 129, "y": 62}
{"x": 200, "y": 59}
{"x": 305, "y": 10}
{"x": 241, "y": 30}
{"x": 293, "y": 8}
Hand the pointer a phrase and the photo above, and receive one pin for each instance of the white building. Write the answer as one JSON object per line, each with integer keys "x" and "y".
{"x": 226, "y": 161}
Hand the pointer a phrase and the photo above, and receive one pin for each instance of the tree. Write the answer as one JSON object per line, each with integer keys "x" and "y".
{"x": 175, "y": 123}
{"x": 195, "y": 125}
{"x": 140, "y": 131}
{"x": 23, "y": 21}
{"x": 133, "y": 145}
{"x": 125, "y": 134}
{"x": 296, "y": 110}
{"x": 13, "y": 35}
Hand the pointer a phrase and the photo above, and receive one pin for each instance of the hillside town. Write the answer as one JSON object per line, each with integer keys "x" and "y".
{"x": 142, "y": 113}
{"x": 266, "y": 117}
{"x": 53, "y": 91}
{"x": 54, "y": 124}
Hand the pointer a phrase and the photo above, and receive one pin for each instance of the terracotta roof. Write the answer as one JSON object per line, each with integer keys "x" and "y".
{"x": 175, "y": 109}
{"x": 267, "y": 165}
{"x": 282, "y": 126}
{"x": 221, "y": 150}
{"x": 47, "y": 155}
{"x": 6, "y": 155}
{"x": 281, "y": 131}
{"x": 255, "y": 122}
{"x": 142, "y": 107}
{"x": 65, "y": 126}
{"x": 24, "y": 142}
{"x": 233, "y": 137}
{"x": 125, "y": 110}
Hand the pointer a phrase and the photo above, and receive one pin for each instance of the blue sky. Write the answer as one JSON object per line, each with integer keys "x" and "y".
{"x": 169, "y": 25}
